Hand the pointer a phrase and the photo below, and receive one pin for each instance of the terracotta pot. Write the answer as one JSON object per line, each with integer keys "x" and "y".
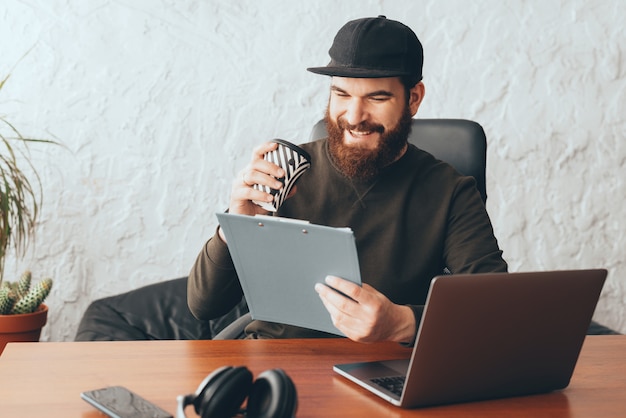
{"x": 22, "y": 327}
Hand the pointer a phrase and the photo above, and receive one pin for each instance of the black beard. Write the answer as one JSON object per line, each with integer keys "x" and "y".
{"x": 366, "y": 164}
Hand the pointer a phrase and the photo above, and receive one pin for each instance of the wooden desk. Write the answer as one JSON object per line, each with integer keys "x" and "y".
{"x": 45, "y": 379}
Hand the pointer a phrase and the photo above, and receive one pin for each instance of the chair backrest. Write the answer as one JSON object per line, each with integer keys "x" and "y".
{"x": 459, "y": 142}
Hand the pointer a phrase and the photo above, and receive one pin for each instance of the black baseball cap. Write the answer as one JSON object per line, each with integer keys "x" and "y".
{"x": 374, "y": 47}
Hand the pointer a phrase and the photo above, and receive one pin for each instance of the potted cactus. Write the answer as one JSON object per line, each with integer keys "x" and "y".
{"x": 22, "y": 312}
{"x": 20, "y": 297}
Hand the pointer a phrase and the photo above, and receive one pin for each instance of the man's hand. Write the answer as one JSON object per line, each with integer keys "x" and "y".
{"x": 364, "y": 314}
{"x": 258, "y": 171}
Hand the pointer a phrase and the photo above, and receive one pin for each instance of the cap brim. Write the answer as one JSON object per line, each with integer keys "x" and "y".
{"x": 355, "y": 72}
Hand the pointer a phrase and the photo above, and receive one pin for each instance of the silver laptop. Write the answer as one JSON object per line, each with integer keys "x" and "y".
{"x": 486, "y": 336}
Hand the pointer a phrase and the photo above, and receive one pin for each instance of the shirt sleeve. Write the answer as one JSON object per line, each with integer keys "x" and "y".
{"x": 213, "y": 287}
{"x": 470, "y": 245}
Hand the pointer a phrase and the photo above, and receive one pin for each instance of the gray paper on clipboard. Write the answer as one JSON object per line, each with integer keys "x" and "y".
{"x": 279, "y": 261}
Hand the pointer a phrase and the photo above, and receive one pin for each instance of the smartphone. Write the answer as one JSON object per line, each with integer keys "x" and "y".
{"x": 119, "y": 402}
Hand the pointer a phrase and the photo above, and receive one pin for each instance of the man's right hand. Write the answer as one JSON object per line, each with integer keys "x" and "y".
{"x": 258, "y": 171}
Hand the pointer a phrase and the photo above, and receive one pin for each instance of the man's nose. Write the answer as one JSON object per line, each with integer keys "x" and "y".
{"x": 356, "y": 112}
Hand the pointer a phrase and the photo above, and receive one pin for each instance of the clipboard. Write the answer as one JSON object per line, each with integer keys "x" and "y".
{"x": 279, "y": 261}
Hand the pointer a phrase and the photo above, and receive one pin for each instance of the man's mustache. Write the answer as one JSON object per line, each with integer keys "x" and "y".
{"x": 361, "y": 127}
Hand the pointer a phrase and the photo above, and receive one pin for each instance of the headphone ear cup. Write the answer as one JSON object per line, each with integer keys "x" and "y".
{"x": 273, "y": 395}
{"x": 224, "y": 394}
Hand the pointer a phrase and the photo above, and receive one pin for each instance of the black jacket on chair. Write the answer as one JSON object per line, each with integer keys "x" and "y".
{"x": 154, "y": 312}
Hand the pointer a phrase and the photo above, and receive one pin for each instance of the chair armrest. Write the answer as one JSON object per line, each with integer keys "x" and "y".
{"x": 235, "y": 330}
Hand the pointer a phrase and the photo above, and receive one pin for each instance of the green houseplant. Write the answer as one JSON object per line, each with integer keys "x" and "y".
{"x": 22, "y": 311}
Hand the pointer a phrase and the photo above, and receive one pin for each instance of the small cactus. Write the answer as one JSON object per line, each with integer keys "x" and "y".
{"x": 7, "y": 300}
{"x": 23, "y": 284}
{"x": 21, "y": 297}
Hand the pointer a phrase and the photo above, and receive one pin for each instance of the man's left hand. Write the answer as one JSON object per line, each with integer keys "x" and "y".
{"x": 364, "y": 314}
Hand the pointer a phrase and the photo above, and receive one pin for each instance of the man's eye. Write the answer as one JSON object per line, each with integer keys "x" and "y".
{"x": 379, "y": 98}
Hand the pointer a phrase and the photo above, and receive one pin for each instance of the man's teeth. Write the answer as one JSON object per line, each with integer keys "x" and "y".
{"x": 359, "y": 133}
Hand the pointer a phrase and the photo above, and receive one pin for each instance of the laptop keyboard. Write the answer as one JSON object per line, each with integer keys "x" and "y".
{"x": 393, "y": 384}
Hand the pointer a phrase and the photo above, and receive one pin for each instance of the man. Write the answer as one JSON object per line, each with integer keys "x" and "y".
{"x": 411, "y": 214}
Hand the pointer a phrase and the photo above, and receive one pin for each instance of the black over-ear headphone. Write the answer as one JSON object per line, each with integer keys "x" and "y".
{"x": 271, "y": 395}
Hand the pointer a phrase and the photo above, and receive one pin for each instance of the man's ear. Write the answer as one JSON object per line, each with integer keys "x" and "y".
{"x": 416, "y": 94}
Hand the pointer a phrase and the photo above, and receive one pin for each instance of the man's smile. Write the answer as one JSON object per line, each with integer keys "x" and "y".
{"x": 359, "y": 133}
{"x": 366, "y": 139}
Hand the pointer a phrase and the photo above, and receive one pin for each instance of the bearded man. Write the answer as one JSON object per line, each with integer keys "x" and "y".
{"x": 412, "y": 215}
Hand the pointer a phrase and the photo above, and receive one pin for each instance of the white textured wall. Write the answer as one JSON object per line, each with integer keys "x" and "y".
{"x": 158, "y": 104}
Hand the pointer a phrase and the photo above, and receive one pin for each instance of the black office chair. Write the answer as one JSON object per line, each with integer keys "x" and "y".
{"x": 459, "y": 142}
{"x": 160, "y": 311}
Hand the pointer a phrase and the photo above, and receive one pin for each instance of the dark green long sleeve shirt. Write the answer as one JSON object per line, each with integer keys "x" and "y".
{"x": 417, "y": 218}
